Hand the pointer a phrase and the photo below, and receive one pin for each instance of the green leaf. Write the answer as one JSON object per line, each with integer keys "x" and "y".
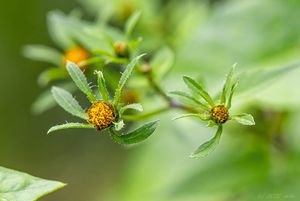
{"x": 45, "y": 100}
{"x": 135, "y": 136}
{"x": 245, "y": 119}
{"x": 208, "y": 146}
{"x": 80, "y": 80}
{"x": 102, "y": 86}
{"x": 43, "y": 53}
{"x": 134, "y": 106}
{"x": 232, "y": 90}
{"x": 203, "y": 117}
{"x": 51, "y": 74}
{"x": 131, "y": 23}
{"x": 189, "y": 97}
{"x": 18, "y": 186}
{"x": 124, "y": 78}
{"x": 68, "y": 103}
{"x": 227, "y": 84}
{"x": 196, "y": 87}
{"x": 162, "y": 62}
{"x": 69, "y": 125}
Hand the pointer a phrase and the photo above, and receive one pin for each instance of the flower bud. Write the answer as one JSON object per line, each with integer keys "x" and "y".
{"x": 219, "y": 114}
{"x": 101, "y": 115}
{"x": 76, "y": 55}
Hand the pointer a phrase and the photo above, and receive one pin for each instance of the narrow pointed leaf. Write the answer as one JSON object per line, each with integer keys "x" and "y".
{"x": 80, "y": 80}
{"x": 203, "y": 117}
{"x": 124, "y": 78}
{"x": 135, "y": 136}
{"x": 245, "y": 119}
{"x": 191, "y": 98}
{"x": 227, "y": 83}
{"x": 50, "y": 75}
{"x": 134, "y": 106}
{"x": 131, "y": 23}
{"x": 102, "y": 86}
{"x": 196, "y": 87}
{"x": 43, "y": 53}
{"x": 19, "y": 186}
{"x": 68, "y": 126}
{"x": 67, "y": 102}
{"x": 232, "y": 90}
{"x": 208, "y": 146}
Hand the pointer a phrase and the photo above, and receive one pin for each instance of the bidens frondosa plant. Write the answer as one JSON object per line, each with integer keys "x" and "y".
{"x": 104, "y": 113}
{"x": 215, "y": 112}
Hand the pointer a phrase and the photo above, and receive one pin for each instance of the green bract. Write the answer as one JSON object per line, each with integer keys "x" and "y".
{"x": 216, "y": 113}
{"x": 69, "y": 104}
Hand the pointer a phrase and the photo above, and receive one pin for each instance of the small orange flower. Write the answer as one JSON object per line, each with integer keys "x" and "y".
{"x": 101, "y": 115}
{"x": 220, "y": 114}
{"x": 76, "y": 55}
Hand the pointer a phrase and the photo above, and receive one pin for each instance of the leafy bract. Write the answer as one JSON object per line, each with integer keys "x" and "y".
{"x": 67, "y": 102}
{"x": 18, "y": 186}
{"x": 136, "y": 136}
{"x": 80, "y": 80}
{"x": 69, "y": 125}
{"x": 206, "y": 148}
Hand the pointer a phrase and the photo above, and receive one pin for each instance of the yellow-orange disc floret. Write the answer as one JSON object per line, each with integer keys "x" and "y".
{"x": 76, "y": 55}
{"x": 219, "y": 114}
{"x": 101, "y": 115}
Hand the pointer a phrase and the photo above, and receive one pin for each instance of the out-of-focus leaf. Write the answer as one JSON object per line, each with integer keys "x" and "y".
{"x": 80, "y": 80}
{"x": 203, "y": 117}
{"x": 43, "y": 53}
{"x": 208, "y": 146}
{"x": 131, "y": 23}
{"x": 45, "y": 100}
{"x": 162, "y": 63}
{"x": 18, "y": 186}
{"x": 68, "y": 126}
{"x": 135, "y": 136}
{"x": 245, "y": 119}
{"x": 68, "y": 103}
{"x": 126, "y": 74}
{"x": 197, "y": 88}
{"x": 51, "y": 74}
{"x": 232, "y": 90}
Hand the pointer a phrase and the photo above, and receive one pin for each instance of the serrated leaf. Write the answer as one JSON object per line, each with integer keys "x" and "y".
{"x": 43, "y": 53}
{"x": 68, "y": 103}
{"x": 124, "y": 78}
{"x": 134, "y": 106}
{"x": 68, "y": 126}
{"x": 227, "y": 84}
{"x": 102, "y": 86}
{"x": 245, "y": 119}
{"x": 18, "y": 186}
{"x": 135, "y": 136}
{"x": 208, "y": 146}
{"x": 51, "y": 74}
{"x": 197, "y": 88}
{"x": 80, "y": 80}
{"x": 131, "y": 23}
{"x": 203, "y": 117}
{"x": 189, "y": 97}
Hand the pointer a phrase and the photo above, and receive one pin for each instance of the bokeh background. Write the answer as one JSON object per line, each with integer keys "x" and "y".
{"x": 257, "y": 163}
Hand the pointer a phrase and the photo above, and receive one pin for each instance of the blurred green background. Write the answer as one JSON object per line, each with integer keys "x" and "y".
{"x": 257, "y": 163}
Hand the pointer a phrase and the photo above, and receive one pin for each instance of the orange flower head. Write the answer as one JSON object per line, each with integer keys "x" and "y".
{"x": 76, "y": 55}
{"x": 101, "y": 115}
{"x": 220, "y": 114}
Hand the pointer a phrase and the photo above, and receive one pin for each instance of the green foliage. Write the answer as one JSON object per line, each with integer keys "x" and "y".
{"x": 18, "y": 186}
